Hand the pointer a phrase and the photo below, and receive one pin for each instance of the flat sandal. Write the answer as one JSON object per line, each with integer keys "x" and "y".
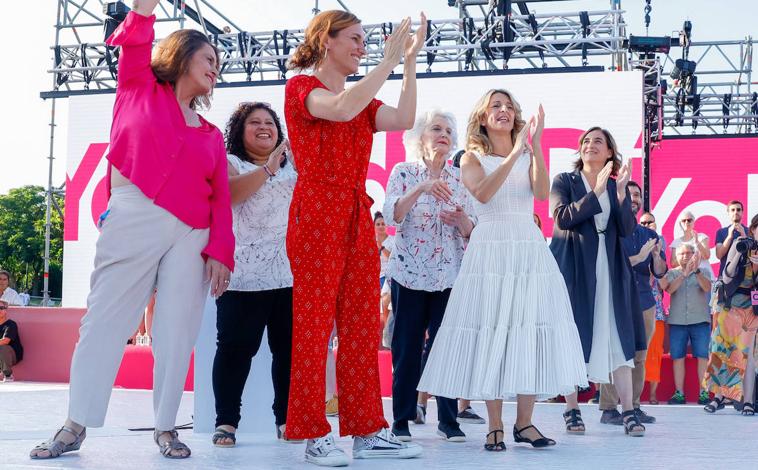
{"x": 57, "y": 447}
{"x": 173, "y": 444}
{"x": 498, "y": 446}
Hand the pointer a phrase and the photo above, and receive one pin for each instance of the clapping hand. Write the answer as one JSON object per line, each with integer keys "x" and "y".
{"x": 437, "y": 188}
{"x": 602, "y": 179}
{"x": 537, "y": 125}
{"x": 623, "y": 177}
{"x": 414, "y": 43}
{"x": 277, "y": 156}
{"x": 397, "y": 42}
{"x": 650, "y": 246}
{"x": 455, "y": 217}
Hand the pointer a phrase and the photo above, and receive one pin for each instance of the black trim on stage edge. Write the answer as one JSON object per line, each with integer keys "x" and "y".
{"x": 395, "y": 76}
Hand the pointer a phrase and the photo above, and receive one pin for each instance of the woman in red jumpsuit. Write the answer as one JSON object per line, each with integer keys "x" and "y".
{"x": 330, "y": 238}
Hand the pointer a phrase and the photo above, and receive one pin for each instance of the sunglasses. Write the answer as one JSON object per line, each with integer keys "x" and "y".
{"x": 647, "y": 222}
{"x": 3, "y": 307}
{"x": 687, "y": 221}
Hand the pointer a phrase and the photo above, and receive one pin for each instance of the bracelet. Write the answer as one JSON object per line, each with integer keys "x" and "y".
{"x": 268, "y": 172}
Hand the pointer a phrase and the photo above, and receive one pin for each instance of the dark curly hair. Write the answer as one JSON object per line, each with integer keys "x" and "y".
{"x": 234, "y": 135}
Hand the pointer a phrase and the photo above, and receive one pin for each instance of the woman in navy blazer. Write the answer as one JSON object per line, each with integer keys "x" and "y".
{"x": 590, "y": 207}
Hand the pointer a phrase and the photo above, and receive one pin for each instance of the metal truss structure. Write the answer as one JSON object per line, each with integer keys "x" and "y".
{"x": 724, "y": 101}
{"x": 488, "y": 42}
{"x": 485, "y": 35}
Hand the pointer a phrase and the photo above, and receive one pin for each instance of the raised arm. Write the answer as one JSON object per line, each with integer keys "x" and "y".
{"x": 538, "y": 171}
{"x": 144, "y": 7}
{"x": 344, "y": 106}
{"x": 402, "y": 116}
{"x": 135, "y": 36}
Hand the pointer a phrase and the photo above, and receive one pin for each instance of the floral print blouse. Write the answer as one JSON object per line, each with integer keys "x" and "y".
{"x": 427, "y": 253}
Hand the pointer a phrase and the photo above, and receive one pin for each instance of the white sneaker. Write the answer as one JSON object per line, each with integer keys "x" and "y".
{"x": 324, "y": 452}
{"x": 384, "y": 445}
{"x": 8, "y": 378}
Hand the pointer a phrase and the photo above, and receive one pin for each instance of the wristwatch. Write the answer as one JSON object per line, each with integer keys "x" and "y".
{"x": 697, "y": 271}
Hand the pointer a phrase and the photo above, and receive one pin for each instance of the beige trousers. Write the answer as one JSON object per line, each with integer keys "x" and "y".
{"x": 141, "y": 246}
{"x": 608, "y": 397}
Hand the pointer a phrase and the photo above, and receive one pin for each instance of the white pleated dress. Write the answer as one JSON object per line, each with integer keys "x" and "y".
{"x": 508, "y": 328}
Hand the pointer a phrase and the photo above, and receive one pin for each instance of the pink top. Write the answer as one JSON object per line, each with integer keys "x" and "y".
{"x": 181, "y": 168}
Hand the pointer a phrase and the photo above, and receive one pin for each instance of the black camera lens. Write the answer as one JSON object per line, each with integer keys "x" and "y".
{"x": 747, "y": 244}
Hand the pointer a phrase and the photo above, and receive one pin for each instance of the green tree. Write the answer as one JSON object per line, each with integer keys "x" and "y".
{"x": 22, "y": 239}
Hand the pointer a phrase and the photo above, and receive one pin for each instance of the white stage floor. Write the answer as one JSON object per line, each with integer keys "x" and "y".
{"x": 685, "y": 437}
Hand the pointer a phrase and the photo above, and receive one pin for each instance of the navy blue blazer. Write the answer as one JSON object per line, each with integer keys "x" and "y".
{"x": 575, "y": 244}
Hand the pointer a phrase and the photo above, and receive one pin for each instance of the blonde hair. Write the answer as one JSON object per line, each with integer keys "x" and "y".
{"x": 477, "y": 139}
{"x": 412, "y": 138}
{"x": 312, "y": 50}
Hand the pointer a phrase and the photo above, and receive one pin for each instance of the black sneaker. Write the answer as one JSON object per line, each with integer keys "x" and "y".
{"x": 644, "y": 417}
{"x": 612, "y": 417}
{"x": 469, "y": 416}
{"x": 451, "y": 432}
{"x": 401, "y": 431}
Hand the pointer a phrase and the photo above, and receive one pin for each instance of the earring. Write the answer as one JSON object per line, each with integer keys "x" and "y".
{"x": 326, "y": 53}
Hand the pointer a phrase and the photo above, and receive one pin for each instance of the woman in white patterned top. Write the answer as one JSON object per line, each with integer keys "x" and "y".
{"x": 259, "y": 296}
{"x": 430, "y": 208}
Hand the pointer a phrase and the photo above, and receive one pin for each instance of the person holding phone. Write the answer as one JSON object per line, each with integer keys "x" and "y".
{"x": 432, "y": 212}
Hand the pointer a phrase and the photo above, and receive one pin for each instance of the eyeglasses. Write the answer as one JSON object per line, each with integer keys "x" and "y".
{"x": 647, "y": 222}
{"x": 3, "y": 307}
{"x": 687, "y": 221}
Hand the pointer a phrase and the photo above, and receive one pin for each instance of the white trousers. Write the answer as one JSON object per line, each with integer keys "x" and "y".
{"x": 141, "y": 247}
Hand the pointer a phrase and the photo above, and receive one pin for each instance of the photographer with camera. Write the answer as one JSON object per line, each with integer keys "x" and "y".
{"x": 731, "y": 366}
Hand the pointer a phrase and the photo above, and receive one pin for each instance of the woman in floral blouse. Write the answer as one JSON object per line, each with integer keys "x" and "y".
{"x": 259, "y": 296}
{"x": 430, "y": 208}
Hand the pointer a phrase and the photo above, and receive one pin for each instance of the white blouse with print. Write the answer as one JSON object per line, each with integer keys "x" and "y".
{"x": 428, "y": 252}
{"x": 260, "y": 231}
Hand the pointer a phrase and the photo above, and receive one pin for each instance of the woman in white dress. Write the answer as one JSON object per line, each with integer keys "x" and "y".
{"x": 508, "y": 329}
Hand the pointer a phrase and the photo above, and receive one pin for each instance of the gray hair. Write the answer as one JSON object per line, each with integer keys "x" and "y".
{"x": 412, "y": 137}
{"x": 685, "y": 246}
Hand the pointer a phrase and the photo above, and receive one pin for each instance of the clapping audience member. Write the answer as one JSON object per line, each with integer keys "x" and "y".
{"x": 689, "y": 317}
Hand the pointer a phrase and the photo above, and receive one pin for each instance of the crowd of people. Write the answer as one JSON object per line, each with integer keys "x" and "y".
{"x": 279, "y": 229}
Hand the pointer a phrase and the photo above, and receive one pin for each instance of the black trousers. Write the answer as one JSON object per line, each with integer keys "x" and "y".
{"x": 241, "y": 319}
{"x": 415, "y": 312}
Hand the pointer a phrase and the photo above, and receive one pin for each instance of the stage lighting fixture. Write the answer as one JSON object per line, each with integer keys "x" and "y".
{"x": 683, "y": 68}
{"x": 116, "y": 10}
{"x": 651, "y": 43}
{"x": 116, "y": 13}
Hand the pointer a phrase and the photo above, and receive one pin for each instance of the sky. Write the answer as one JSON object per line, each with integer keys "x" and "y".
{"x": 26, "y": 37}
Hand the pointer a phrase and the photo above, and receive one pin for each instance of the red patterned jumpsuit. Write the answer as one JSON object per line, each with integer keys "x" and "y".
{"x": 332, "y": 251}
